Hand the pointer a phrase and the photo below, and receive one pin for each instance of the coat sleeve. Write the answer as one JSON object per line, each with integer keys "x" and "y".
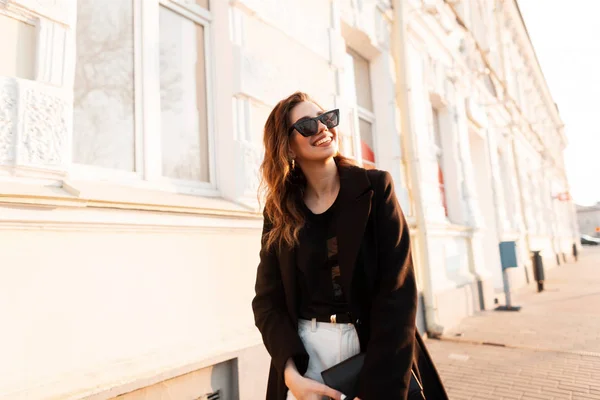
{"x": 270, "y": 314}
{"x": 386, "y": 372}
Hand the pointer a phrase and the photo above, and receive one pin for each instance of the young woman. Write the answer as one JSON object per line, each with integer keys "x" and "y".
{"x": 335, "y": 276}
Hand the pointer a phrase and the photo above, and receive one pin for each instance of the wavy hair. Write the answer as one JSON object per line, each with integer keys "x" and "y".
{"x": 281, "y": 186}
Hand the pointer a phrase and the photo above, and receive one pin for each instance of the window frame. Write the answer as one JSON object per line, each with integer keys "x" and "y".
{"x": 438, "y": 147}
{"x": 33, "y": 23}
{"x": 147, "y": 108}
{"x": 506, "y": 180}
{"x": 95, "y": 172}
{"x": 368, "y": 116}
{"x": 360, "y": 112}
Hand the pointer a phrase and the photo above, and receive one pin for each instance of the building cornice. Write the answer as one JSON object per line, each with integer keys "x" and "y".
{"x": 529, "y": 51}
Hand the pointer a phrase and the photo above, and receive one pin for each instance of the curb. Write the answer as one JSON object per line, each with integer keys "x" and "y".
{"x": 518, "y": 347}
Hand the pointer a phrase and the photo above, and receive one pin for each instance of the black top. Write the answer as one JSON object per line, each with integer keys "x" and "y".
{"x": 319, "y": 283}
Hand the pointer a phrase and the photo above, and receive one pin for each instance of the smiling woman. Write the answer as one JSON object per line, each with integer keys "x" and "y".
{"x": 335, "y": 277}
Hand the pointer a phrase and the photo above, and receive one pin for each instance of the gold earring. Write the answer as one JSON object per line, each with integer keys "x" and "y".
{"x": 293, "y": 163}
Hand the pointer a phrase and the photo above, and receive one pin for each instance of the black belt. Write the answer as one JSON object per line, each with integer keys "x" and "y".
{"x": 342, "y": 318}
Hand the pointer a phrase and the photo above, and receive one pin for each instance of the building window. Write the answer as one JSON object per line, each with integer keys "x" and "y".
{"x": 184, "y": 127}
{"x": 508, "y": 195}
{"x": 533, "y": 207}
{"x": 359, "y": 80}
{"x": 437, "y": 140}
{"x": 114, "y": 127}
{"x": 103, "y": 103}
{"x": 18, "y": 53}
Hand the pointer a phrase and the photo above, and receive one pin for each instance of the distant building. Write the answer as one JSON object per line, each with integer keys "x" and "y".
{"x": 589, "y": 219}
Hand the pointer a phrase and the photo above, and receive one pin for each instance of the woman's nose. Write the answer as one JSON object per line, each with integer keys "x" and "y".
{"x": 322, "y": 126}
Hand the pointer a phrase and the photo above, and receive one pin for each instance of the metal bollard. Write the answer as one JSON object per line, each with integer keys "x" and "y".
{"x": 575, "y": 251}
{"x": 538, "y": 269}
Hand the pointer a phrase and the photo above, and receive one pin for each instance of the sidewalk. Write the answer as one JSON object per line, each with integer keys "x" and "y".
{"x": 548, "y": 350}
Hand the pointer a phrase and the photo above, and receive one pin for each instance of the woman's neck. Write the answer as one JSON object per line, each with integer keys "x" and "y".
{"x": 322, "y": 179}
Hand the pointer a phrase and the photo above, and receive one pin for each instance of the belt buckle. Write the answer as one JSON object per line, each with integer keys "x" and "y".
{"x": 333, "y": 318}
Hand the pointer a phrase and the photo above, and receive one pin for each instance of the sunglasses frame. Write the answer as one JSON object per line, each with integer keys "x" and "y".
{"x": 319, "y": 118}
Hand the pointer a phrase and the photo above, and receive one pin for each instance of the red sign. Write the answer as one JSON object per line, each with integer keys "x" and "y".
{"x": 564, "y": 196}
{"x": 367, "y": 152}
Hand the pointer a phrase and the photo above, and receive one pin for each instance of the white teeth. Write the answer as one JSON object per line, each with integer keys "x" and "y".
{"x": 322, "y": 141}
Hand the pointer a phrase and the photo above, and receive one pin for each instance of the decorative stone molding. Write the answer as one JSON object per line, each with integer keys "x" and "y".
{"x": 60, "y": 11}
{"x": 337, "y": 45}
{"x": 476, "y": 113}
{"x": 437, "y": 77}
{"x": 35, "y": 124}
{"x": 50, "y": 65}
{"x": 252, "y": 158}
{"x": 474, "y": 217}
{"x": 383, "y": 29}
{"x": 53, "y": 20}
{"x": 44, "y": 128}
{"x": 249, "y": 157}
{"x": 365, "y": 27}
{"x": 8, "y": 118}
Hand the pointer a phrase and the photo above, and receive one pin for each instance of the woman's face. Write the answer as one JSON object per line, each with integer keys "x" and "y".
{"x": 319, "y": 147}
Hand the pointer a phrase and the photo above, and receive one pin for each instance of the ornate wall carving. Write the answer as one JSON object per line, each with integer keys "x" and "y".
{"x": 44, "y": 128}
{"x": 8, "y": 116}
{"x": 33, "y": 123}
{"x": 252, "y": 158}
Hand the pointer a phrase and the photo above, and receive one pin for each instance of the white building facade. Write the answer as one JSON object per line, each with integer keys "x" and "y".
{"x": 489, "y": 143}
{"x": 130, "y": 141}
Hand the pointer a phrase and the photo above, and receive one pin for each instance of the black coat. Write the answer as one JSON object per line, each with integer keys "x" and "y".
{"x": 377, "y": 275}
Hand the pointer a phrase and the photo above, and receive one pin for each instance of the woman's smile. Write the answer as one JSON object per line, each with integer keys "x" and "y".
{"x": 325, "y": 142}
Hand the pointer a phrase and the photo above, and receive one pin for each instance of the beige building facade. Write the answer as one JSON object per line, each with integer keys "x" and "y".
{"x": 489, "y": 148}
{"x": 130, "y": 141}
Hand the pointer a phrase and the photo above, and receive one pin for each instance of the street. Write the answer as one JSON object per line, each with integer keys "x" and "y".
{"x": 548, "y": 350}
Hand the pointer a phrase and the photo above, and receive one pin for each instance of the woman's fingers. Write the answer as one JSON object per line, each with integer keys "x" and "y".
{"x": 329, "y": 392}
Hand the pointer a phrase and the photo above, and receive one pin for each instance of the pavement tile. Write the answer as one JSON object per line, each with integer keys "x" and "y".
{"x": 551, "y": 347}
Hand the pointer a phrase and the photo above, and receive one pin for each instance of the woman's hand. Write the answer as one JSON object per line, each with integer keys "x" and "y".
{"x": 306, "y": 389}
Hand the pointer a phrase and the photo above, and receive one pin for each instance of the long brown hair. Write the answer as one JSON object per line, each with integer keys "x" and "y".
{"x": 281, "y": 185}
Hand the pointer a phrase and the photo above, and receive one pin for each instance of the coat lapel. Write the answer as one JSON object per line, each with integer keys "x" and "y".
{"x": 287, "y": 261}
{"x": 355, "y": 206}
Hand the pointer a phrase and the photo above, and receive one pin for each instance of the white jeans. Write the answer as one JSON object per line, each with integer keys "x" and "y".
{"x": 327, "y": 345}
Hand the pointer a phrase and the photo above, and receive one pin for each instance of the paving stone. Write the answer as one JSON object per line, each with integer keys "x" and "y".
{"x": 551, "y": 347}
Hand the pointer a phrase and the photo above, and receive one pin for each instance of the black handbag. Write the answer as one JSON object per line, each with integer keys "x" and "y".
{"x": 343, "y": 377}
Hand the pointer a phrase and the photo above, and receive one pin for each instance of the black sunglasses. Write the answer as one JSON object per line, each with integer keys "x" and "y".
{"x": 310, "y": 126}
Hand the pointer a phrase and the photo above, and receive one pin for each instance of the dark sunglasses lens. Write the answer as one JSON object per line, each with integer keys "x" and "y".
{"x": 330, "y": 119}
{"x": 307, "y": 128}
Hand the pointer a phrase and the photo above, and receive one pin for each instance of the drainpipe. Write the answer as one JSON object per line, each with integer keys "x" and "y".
{"x": 403, "y": 90}
{"x": 521, "y": 201}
